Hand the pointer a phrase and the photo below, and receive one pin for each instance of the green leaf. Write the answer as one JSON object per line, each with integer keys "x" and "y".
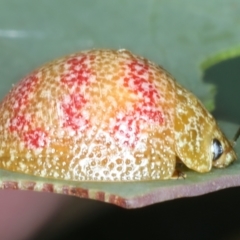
{"x": 184, "y": 36}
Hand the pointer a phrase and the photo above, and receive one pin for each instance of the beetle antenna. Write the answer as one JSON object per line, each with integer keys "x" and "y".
{"x": 236, "y": 136}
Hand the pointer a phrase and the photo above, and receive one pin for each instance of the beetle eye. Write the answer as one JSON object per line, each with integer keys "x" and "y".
{"x": 217, "y": 149}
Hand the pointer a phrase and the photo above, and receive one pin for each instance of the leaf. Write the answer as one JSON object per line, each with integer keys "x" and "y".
{"x": 184, "y": 36}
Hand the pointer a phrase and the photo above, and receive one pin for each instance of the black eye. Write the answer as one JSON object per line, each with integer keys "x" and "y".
{"x": 217, "y": 149}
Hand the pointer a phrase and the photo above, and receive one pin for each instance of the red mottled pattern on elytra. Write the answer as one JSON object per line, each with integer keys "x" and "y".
{"x": 71, "y": 107}
{"x": 20, "y": 124}
{"x": 139, "y": 83}
{"x": 78, "y": 75}
{"x": 17, "y": 122}
{"x": 79, "y": 71}
{"x": 127, "y": 128}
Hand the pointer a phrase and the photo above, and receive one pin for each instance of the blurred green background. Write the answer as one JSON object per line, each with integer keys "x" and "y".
{"x": 186, "y": 37}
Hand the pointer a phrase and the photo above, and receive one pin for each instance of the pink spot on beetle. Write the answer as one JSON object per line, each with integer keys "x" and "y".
{"x": 126, "y": 130}
{"x": 71, "y": 106}
{"x": 36, "y": 138}
{"x": 18, "y": 123}
{"x": 138, "y": 82}
{"x": 78, "y": 71}
{"x": 23, "y": 90}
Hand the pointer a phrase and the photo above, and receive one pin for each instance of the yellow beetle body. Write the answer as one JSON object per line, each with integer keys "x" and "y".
{"x": 106, "y": 115}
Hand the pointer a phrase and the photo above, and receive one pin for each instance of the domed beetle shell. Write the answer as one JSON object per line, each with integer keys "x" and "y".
{"x": 106, "y": 115}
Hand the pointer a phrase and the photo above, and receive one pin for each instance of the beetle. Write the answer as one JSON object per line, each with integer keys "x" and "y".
{"x": 107, "y": 115}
